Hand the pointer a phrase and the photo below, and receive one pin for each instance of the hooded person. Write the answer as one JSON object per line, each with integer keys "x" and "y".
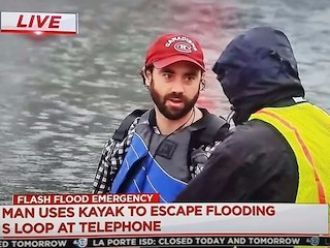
{"x": 279, "y": 149}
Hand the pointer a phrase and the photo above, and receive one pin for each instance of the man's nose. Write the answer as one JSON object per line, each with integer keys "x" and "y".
{"x": 177, "y": 86}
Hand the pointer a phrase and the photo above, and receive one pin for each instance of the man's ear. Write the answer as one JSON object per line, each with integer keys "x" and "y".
{"x": 202, "y": 83}
{"x": 147, "y": 77}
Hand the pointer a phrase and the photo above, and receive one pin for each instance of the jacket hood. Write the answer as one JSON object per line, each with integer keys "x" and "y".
{"x": 257, "y": 69}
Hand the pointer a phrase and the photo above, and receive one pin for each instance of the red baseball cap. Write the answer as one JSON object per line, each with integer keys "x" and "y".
{"x": 171, "y": 48}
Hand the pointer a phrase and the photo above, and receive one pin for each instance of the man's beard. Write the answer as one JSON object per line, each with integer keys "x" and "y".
{"x": 172, "y": 114}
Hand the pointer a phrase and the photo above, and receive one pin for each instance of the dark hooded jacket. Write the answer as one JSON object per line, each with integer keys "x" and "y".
{"x": 255, "y": 164}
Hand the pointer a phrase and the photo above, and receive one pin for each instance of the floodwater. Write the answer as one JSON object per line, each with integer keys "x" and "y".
{"x": 62, "y": 97}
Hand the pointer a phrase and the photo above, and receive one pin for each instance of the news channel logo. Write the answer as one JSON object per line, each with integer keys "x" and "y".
{"x": 314, "y": 241}
{"x": 81, "y": 243}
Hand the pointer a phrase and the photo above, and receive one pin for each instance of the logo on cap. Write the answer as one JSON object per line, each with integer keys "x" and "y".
{"x": 182, "y": 40}
{"x": 183, "y": 47}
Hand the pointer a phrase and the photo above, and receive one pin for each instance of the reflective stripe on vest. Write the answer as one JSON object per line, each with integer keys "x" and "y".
{"x": 307, "y": 129}
{"x": 140, "y": 173}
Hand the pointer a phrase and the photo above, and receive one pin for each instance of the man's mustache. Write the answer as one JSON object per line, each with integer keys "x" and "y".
{"x": 175, "y": 95}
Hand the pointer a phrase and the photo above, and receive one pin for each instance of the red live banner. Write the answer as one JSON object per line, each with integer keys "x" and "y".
{"x": 27, "y": 22}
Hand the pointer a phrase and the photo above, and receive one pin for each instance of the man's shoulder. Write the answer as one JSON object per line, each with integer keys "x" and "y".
{"x": 135, "y": 114}
{"x": 254, "y": 128}
{"x": 210, "y": 128}
{"x": 122, "y": 130}
{"x": 211, "y": 121}
{"x": 254, "y": 137}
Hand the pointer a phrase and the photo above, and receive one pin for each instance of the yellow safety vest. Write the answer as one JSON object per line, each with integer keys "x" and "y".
{"x": 307, "y": 129}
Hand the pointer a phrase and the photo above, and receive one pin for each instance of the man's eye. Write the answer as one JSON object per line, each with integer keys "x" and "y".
{"x": 167, "y": 75}
{"x": 190, "y": 78}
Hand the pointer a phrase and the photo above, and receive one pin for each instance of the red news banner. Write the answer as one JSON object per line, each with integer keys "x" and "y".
{"x": 38, "y": 23}
{"x": 140, "y": 215}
